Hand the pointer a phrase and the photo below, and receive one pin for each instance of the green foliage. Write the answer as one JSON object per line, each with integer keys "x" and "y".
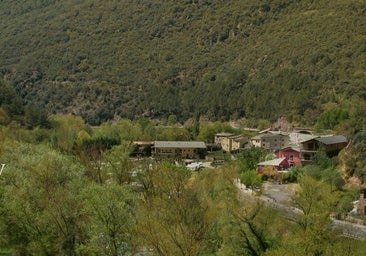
{"x": 110, "y": 220}
{"x": 158, "y": 59}
{"x": 172, "y": 217}
{"x": 173, "y": 133}
{"x": 251, "y": 179}
{"x": 249, "y": 158}
{"x": 330, "y": 118}
{"x": 311, "y": 234}
{"x": 252, "y": 230}
{"x": 50, "y": 207}
{"x": 11, "y": 105}
{"x": 40, "y": 201}
{"x": 207, "y": 131}
{"x": 35, "y": 116}
{"x": 66, "y": 130}
{"x": 118, "y": 163}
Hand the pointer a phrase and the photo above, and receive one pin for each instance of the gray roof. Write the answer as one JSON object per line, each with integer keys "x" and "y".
{"x": 179, "y": 144}
{"x": 224, "y": 134}
{"x": 238, "y": 138}
{"x": 296, "y": 138}
{"x": 273, "y": 162}
{"x": 268, "y": 135}
{"x": 328, "y": 140}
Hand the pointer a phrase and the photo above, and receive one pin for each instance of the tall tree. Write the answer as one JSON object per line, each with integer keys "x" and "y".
{"x": 118, "y": 163}
{"x": 109, "y": 227}
{"x": 40, "y": 201}
{"x": 173, "y": 219}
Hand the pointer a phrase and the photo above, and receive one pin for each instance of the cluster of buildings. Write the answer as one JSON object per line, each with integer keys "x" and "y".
{"x": 295, "y": 148}
{"x": 290, "y": 148}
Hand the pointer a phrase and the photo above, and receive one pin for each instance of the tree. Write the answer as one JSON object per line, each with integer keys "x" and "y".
{"x": 35, "y": 116}
{"x": 316, "y": 202}
{"x": 330, "y": 118}
{"x": 174, "y": 218}
{"x": 110, "y": 220}
{"x": 118, "y": 163}
{"x": 196, "y": 125}
{"x": 251, "y": 179}
{"x": 40, "y": 201}
{"x": 91, "y": 154}
{"x": 313, "y": 232}
{"x": 65, "y": 131}
{"x": 249, "y": 158}
{"x": 10, "y": 102}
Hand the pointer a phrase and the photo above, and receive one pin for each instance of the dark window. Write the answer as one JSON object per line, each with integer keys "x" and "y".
{"x": 311, "y": 145}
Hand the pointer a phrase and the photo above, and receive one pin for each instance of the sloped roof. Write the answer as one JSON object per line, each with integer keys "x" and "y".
{"x": 328, "y": 140}
{"x": 273, "y": 162}
{"x": 179, "y": 144}
{"x": 268, "y": 135}
{"x": 224, "y": 134}
{"x": 239, "y": 138}
{"x": 296, "y": 138}
{"x": 294, "y": 148}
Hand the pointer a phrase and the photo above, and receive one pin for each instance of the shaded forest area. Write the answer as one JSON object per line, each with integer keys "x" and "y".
{"x": 223, "y": 59}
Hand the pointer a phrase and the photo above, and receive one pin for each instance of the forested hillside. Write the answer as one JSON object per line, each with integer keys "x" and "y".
{"x": 224, "y": 59}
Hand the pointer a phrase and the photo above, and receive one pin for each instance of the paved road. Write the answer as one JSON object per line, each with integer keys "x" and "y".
{"x": 280, "y": 195}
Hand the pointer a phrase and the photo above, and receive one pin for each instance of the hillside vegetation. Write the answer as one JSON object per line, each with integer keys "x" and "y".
{"x": 75, "y": 190}
{"x": 224, "y": 59}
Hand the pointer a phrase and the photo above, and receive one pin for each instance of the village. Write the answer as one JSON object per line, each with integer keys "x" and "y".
{"x": 286, "y": 148}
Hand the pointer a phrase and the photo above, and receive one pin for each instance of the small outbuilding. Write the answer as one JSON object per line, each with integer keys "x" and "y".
{"x": 274, "y": 165}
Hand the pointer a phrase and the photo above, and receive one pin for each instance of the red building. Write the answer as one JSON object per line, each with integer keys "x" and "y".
{"x": 292, "y": 155}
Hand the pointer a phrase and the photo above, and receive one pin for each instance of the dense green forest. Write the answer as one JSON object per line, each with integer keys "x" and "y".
{"x": 223, "y": 59}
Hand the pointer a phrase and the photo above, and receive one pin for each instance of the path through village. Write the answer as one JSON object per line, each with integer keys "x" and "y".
{"x": 280, "y": 196}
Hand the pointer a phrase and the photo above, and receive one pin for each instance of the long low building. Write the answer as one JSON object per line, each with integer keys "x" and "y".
{"x": 179, "y": 149}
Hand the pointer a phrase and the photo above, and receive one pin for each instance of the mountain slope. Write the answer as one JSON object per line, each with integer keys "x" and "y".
{"x": 224, "y": 59}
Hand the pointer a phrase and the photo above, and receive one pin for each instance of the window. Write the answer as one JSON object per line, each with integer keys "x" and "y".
{"x": 311, "y": 145}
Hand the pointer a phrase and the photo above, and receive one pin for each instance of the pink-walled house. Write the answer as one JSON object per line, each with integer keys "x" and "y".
{"x": 292, "y": 155}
